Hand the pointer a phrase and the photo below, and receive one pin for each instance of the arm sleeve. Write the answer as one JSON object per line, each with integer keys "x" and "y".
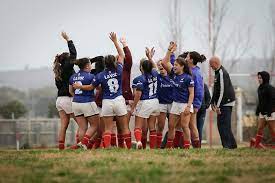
{"x": 269, "y": 101}
{"x": 221, "y": 88}
{"x": 95, "y": 81}
{"x": 207, "y": 97}
{"x": 172, "y": 58}
{"x": 72, "y": 49}
{"x": 119, "y": 68}
{"x": 128, "y": 62}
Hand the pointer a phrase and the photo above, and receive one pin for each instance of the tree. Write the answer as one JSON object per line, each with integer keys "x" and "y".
{"x": 269, "y": 42}
{"x": 231, "y": 47}
{"x": 174, "y": 26}
{"x": 13, "y": 109}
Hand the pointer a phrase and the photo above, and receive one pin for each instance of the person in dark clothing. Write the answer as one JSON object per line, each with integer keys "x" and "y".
{"x": 222, "y": 102}
{"x": 202, "y": 111}
{"x": 63, "y": 68}
{"x": 265, "y": 109}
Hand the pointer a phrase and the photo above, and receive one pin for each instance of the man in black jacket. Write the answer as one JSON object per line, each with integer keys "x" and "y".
{"x": 222, "y": 102}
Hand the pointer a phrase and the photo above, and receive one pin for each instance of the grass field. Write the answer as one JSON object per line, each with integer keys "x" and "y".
{"x": 118, "y": 165}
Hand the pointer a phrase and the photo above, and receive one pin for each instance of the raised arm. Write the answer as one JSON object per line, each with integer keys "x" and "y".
{"x": 150, "y": 54}
{"x": 128, "y": 61}
{"x": 71, "y": 46}
{"x": 121, "y": 56}
{"x": 166, "y": 60}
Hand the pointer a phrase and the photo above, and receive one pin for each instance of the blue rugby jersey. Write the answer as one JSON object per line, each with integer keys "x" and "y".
{"x": 84, "y": 78}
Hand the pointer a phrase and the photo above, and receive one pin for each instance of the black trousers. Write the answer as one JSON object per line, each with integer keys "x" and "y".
{"x": 224, "y": 127}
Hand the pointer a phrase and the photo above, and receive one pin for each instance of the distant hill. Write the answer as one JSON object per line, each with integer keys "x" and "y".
{"x": 28, "y": 78}
{"x": 34, "y": 78}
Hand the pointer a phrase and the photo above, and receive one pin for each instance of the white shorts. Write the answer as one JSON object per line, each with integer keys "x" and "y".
{"x": 87, "y": 109}
{"x": 100, "y": 111}
{"x": 114, "y": 107}
{"x": 178, "y": 108}
{"x": 64, "y": 103}
{"x": 128, "y": 106}
{"x": 271, "y": 118}
{"x": 147, "y": 108}
{"x": 165, "y": 108}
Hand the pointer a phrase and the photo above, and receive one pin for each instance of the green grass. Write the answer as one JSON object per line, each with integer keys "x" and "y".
{"x": 117, "y": 165}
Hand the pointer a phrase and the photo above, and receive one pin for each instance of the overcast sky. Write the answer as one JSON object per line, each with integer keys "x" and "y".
{"x": 30, "y": 29}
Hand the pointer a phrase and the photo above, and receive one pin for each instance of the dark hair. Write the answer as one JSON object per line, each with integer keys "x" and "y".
{"x": 57, "y": 64}
{"x": 182, "y": 62}
{"x": 99, "y": 64}
{"x": 82, "y": 62}
{"x": 265, "y": 76}
{"x": 184, "y": 55}
{"x": 197, "y": 57}
{"x": 147, "y": 66}
{"x": 110, "y": 62}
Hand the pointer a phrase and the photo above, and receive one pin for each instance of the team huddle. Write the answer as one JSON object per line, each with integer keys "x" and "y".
{"x": 101, "y": 98}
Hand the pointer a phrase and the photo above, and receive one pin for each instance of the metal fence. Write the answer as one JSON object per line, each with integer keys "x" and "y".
{"x": 33, "y": 132}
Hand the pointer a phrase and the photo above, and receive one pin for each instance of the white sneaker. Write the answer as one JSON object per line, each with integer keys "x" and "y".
{"x": 83, "y": 146}
{"x": 139, "y": 145}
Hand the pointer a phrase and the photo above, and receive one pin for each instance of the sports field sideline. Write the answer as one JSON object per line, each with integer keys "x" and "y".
{"x": 120, "y": 165}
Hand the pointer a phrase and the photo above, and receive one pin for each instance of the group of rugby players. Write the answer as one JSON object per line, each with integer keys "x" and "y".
{"x": 101, "y": 99}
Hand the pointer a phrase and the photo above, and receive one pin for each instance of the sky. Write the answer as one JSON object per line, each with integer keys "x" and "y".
{"x": 30, "y": 29}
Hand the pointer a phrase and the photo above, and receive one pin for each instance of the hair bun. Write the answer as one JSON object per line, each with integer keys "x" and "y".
{"x": 203, "y": 58}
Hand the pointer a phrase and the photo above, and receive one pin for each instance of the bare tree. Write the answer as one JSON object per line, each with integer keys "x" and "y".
{"x": 233, "y": 46}
{"x": 269, "y": 43}
{"x": 174, "y": 25}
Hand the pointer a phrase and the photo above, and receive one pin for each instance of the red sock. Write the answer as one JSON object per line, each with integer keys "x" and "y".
{"x": 128, "y": 141}
{"x": 77, "y": 138}
{"x": 169, "y": 143}
{"x": 159, "y": 139}
{"x": 90, "y": 144}
{"x": 259, "y": 138}
{"x": 144, "y": 142}
{"x": 196, "y": 144}
{"x": 137, "y": 133}
{"x": 113, "y": 140}
{"x": 97, "y": 142}
{"x": 273, "y": 137}
{"x": 120, "y": 140}
{"x": 178, "y": 136}
{"x": 85, "y": 140}
{"x": 61, "y": 145}
{"x": 186, "y": 144}
{"x": 107, "y": 139}
{"x": 153, "y": 139}
{"x": 102, "y": 143}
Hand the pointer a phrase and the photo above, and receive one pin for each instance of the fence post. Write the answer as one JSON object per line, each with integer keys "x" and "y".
{"x": 239, "y": 113}
{"x": 29, "y": 132}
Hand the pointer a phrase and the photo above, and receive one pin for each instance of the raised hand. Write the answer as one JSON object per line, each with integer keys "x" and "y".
{"x": 65, "y": 36}
{"x": 113, "y": 37}
{"x": 150, "y": 53}
{"x": 123, "y": 40}
{"x": 172, "y": 47}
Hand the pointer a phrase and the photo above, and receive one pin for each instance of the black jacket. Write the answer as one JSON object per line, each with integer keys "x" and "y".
{"x": 266, "y": 96}
{"x": 223, "y": 92}
{"x": 206, "y": 99}
{"x": 67, "y": 69}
